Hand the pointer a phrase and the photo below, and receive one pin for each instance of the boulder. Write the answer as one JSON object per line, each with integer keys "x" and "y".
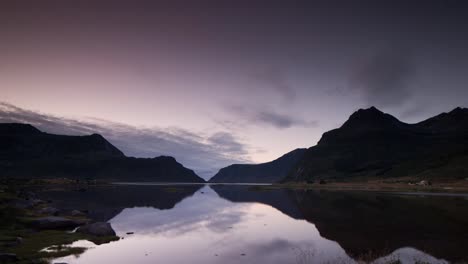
{"x": 97, "y": 229}
{"x": 54, "y": 222}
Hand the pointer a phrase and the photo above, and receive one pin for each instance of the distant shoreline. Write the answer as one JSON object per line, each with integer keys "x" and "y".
{"x": 391, "y": 186}
{"x": 379, "y": 186}
{"x": 189, "y": 183}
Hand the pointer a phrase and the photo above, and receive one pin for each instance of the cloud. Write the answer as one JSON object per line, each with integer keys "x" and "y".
{"x": 227, "y": 143}
{"x": 385, "y": 79}
{"x": 275, "y": 79}
{"x": 257, "y": 116}
{"x": 205, "y": 154}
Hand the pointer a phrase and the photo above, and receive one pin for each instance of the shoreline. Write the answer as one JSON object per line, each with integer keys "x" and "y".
{"x": 456, "y": 187}
{"x": 29, "y": 226}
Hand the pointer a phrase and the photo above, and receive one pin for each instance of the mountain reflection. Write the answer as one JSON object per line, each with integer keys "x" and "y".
{"x": 368, "y": 225}
{"x": 238, "y": 224}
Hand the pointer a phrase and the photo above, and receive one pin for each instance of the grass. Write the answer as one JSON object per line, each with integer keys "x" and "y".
{"x": 34, "y": 242}
{"x": 14, "y": 223}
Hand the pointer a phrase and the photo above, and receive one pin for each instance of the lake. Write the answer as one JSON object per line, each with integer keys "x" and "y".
{"x": 249, "y": 224}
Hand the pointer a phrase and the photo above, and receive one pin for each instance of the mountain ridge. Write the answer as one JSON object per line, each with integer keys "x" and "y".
{"x": 372, "y": 143}
{"x": 267, "y": 172}
{"x": 27, "y": 152}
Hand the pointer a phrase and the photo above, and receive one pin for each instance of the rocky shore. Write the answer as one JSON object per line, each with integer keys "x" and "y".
{"x": 28, "y": 225}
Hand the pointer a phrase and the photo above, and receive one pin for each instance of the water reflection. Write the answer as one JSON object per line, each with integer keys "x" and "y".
{"x": 235, "y": 224}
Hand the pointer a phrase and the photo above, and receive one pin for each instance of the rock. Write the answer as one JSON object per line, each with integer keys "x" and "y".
{"x": 7, "y": 257}
{"x": 130, "y": 233}
{"x": 97, "y": 229}
{"x": 422, "y": 183}
{"x": 49, "y": 211}
{"x": 77, "y": 213}
{"x": 54, "y": 222}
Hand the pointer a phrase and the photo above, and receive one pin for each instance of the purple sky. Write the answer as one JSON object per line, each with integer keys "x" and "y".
{"x": 213, "y": 83}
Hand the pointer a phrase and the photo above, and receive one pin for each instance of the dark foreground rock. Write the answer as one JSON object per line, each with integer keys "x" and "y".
{"x": 97, "y": 229}
{"x": 54, "y": 222}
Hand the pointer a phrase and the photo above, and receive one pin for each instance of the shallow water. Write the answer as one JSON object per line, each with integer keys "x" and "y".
{"x": 240, "y": 224}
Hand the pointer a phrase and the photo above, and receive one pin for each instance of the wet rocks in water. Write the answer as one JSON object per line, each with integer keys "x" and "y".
{"x": 54, "y": 222}
{"x": 97, "y": 229}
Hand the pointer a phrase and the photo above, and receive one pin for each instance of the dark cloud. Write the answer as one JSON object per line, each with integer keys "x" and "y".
{"x": 385, "y": 79}
{"x": 226, "y": 142}
{"x": 257, "y": 116}
{"x": 204, "y": 154}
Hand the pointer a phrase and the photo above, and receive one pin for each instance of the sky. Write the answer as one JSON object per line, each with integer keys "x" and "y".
{"x": 219, "y": 82}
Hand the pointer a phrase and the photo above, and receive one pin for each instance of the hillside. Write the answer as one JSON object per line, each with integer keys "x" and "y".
{"x": 268, "y": 172}
{"x": 26, "y": 152}
{"x": 373, "y": 144}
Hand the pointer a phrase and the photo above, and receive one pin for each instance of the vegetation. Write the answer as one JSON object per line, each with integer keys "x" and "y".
{"x": 17, "y": 236}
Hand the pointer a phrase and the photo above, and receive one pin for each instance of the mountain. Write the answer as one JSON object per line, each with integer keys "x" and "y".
{"x": 375, "y": 144}
{"x": 272, "y": 171}
{"x": 26, "y": 152}
{"x": 22, "y": 141}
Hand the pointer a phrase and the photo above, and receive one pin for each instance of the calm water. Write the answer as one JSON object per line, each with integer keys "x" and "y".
{"x": 241, "y": 224}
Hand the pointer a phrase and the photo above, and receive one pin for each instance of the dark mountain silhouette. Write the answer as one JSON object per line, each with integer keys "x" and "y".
{"x": 21, "y": 141}
{"x": 272, "y": 171}
{"x": 374, "y": 144}
{"x": 27, "y": 152}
